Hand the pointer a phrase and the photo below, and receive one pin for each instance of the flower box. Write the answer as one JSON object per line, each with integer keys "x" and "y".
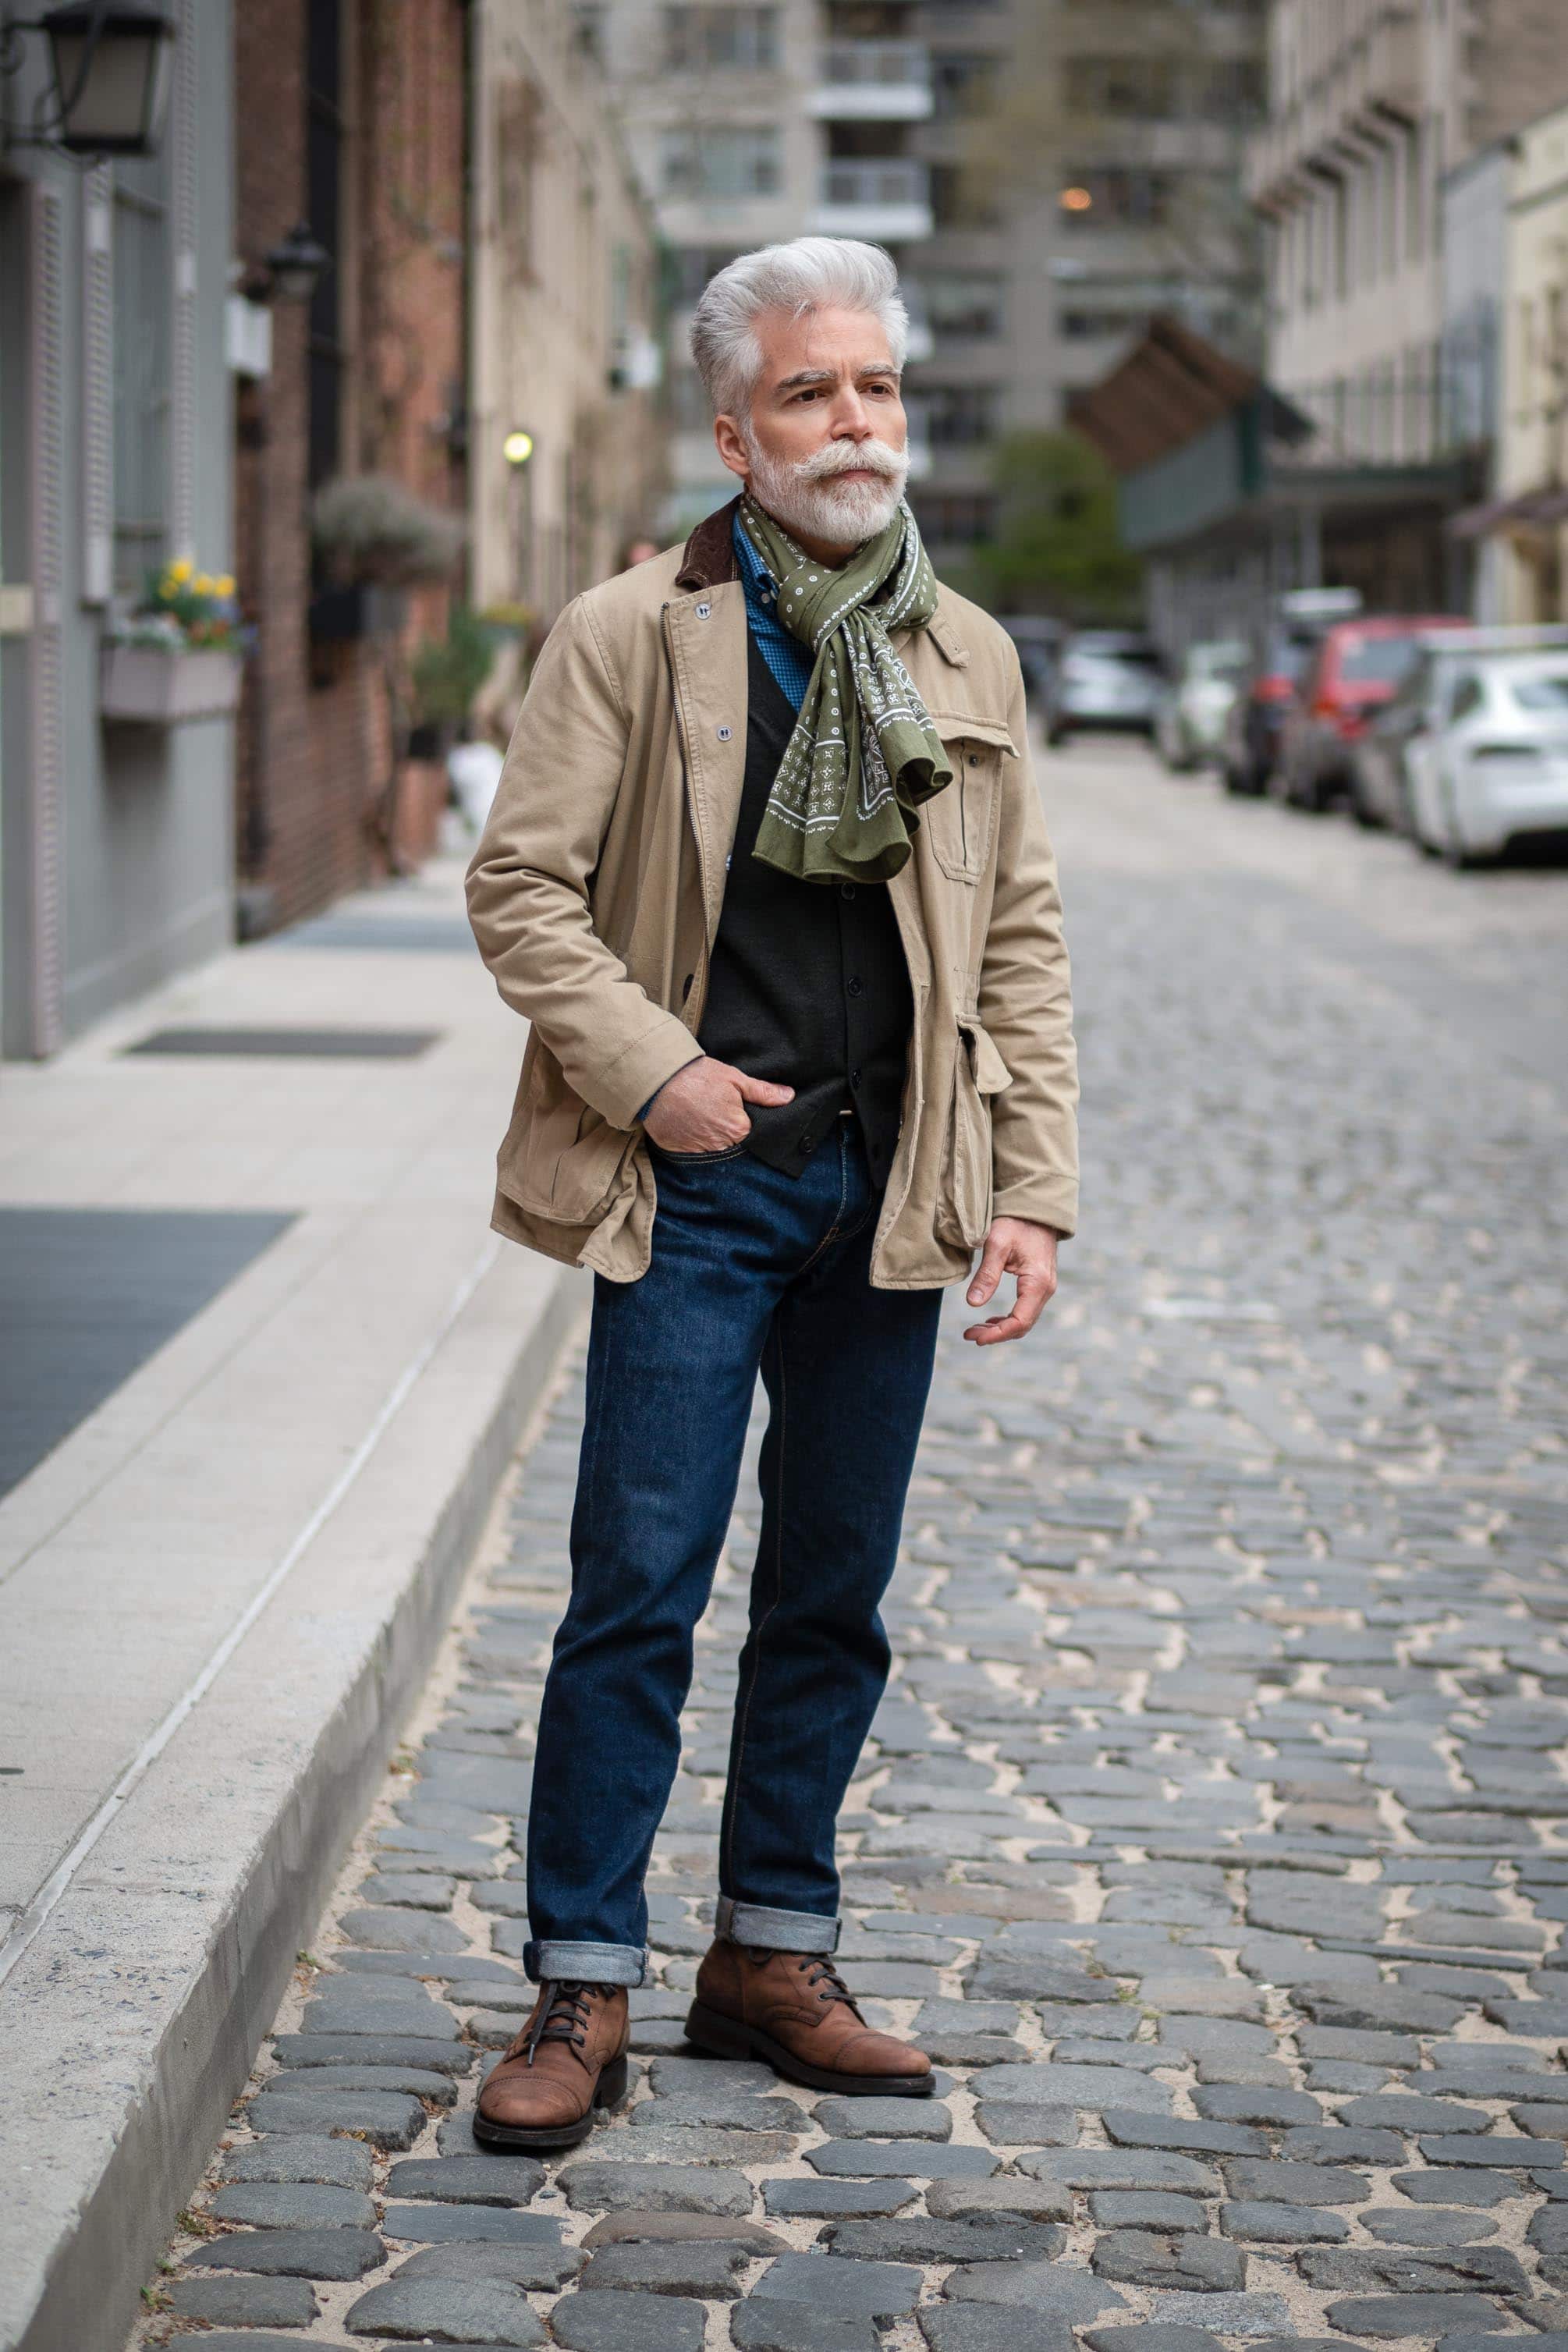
{"x": 151, "y": 687}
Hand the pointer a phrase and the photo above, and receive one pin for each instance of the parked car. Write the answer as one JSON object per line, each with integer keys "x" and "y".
{"x": 1358, "y": 666}
{"x": 1397, "y": 765}
{"x": 1250, "y": 744}
{"x": 1193, "y": 706}
{"x": 1105, "y": 677}
{"x": 1495, "y": 767}
{"x": 1378, "y": 793}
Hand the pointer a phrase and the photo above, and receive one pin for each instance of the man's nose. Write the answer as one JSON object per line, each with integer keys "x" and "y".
{"x": 851, "y": 420}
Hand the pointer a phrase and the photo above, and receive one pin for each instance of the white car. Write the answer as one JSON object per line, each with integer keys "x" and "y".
{"x": 1496, "y": 764}
{"x": 1189, "y": 721}
{"x": 1106, "y": 677}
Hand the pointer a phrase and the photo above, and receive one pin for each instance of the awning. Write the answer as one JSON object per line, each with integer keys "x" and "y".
{"x": 1529, "y": 511}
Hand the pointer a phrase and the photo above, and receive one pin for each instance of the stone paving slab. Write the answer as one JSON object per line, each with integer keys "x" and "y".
{"x": 1211, "y": 1835}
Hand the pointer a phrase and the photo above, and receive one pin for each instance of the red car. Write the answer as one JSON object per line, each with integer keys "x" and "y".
{"x": 1357, "y": 667}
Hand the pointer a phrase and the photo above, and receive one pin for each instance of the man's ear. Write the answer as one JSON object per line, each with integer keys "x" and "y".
{"x": 731, "y": 445}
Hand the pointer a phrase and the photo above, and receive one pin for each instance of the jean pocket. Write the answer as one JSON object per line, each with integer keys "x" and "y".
{"x": 695, "y": 1158}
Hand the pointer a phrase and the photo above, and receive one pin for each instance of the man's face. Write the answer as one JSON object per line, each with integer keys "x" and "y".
{"x": 825, "y": 446}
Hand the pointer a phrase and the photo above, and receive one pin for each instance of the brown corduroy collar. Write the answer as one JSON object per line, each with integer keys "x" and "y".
{"x": 709, "y": 555}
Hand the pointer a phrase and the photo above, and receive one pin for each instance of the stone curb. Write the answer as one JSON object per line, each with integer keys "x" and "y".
{"x": 135, "y": 2019}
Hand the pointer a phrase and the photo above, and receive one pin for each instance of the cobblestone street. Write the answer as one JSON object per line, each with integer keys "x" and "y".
{"x": 1212, "y": 1838}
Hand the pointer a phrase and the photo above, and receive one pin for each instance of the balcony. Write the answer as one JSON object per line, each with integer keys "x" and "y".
{"x": 886, "y": 202}
{"x": 872, "y": 81}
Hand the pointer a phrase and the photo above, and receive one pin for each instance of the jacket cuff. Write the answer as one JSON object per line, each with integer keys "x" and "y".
{"x": 625, "y": 1089}
{"x": 1044, "y": 1200}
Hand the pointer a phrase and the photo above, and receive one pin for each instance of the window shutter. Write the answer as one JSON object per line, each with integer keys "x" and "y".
{"x": 46, "y": 258}
{"x": 183, "y": 332}
{"x": 98, "y": 384}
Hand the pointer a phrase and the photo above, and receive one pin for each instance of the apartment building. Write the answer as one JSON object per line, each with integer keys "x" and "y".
{"x": 116, "y": 837}
{"x": 1030, "y": 164}
{"x": 566, "y": 434}
{"x": 1372, "y": 102}
{"x": 1147, "y": 109}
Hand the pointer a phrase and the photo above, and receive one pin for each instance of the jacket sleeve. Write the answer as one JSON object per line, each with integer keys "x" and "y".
{"x": 529, "y": 882}
{"x": 1025, "y": 1004}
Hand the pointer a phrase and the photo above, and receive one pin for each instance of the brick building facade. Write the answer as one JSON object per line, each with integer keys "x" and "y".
{"x": 351, "y": 116}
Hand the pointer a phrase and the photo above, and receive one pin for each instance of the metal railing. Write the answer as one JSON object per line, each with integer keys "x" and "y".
{"x": 876, "y": 65}
{"x": 896, "y": 181}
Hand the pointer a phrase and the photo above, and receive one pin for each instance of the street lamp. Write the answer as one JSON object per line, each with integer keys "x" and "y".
{"x": 110, "y": 60}
{"x": 292, "y": 270}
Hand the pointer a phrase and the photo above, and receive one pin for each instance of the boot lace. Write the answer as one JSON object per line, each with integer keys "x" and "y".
{"x": 821, "y": 1976}
{"x": 563, "y": 2015}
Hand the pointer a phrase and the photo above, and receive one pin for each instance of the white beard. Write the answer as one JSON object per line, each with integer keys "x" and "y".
{"x": 805, "y": 496}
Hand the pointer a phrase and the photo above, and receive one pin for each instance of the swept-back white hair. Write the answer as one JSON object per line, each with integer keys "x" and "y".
{"x": 810, "y": 273}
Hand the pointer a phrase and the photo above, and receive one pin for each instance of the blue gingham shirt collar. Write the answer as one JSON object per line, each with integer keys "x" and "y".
{"x": 790, "y": 661}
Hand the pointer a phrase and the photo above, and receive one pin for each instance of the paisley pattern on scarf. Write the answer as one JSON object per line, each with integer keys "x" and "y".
{"x": 864, "y": 753}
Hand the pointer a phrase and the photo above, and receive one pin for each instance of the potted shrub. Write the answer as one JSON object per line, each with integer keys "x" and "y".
{"x": 444, "y": 676}
{"x": 178, "y": 655}
{"x": 374, "y": 540}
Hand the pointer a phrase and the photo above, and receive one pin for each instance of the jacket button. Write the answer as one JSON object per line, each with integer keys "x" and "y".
{"x": 808, "y": 1143}
{"x": 857, "y": 987}
{"x": 847, "y": 889}
{"x": 974, "y": 759}
{"x": 725, "y": 733}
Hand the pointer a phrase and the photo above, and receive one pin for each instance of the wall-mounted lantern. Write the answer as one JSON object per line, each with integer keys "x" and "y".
{"x": 110, "y": 61}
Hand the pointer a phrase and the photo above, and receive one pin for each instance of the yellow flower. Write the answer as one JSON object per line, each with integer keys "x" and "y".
{"x": 224, "y": 584}
{"x": 202, "y": 585}
{"x": 179, "y": 572}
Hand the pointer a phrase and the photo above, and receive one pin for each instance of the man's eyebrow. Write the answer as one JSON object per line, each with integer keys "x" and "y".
{"x": 828, "y": 376}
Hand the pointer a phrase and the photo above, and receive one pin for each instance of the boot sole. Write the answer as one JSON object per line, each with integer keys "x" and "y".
{"x": 725, "y": 2037}
{"x": 608, "y": 2092}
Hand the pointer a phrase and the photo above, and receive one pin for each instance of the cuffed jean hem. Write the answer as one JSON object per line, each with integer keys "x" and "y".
{"x": 776, "y": 1931}
{"x": 611, "y": 1964}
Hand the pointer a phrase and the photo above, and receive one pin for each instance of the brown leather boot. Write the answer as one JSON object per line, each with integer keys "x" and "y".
{"x": 793, "y": 2010}
{"x": 570, "y": 2058}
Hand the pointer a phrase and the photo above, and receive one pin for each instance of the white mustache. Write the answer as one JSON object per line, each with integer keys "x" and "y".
{"x": 851, "y": 458}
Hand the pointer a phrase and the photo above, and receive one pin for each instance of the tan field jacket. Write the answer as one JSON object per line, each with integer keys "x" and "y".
{"x": 595, "y": 896}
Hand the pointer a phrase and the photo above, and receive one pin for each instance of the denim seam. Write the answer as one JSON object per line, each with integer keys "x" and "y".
{"x": 832, "y": 1234}
{"x": 776, "y": 1340}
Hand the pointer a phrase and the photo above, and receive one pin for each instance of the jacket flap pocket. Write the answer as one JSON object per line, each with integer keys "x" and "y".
{"x": 991, "y": 1072}
{"x": 961, "y": 727}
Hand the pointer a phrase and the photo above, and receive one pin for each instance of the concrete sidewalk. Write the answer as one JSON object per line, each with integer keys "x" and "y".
{"x": 265, "y": 1364}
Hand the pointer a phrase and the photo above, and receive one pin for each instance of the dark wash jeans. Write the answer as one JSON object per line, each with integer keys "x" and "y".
{"x": 752, "y": 1269}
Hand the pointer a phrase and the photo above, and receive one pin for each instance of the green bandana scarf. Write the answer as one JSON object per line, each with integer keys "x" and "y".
{"x": 864, "y": 753}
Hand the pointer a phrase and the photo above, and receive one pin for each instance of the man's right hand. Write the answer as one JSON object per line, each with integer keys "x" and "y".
{"x": 703, "y": 1107}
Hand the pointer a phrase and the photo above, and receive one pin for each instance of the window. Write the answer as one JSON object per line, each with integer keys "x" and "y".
{"x": 956, "y": 517}
{"x": 966, "y": 302}
{"x": 691, "y": 266}
{"x": 958, "y": 199}
{"x": 958, "y": 415}
{"x": 143, "y": 293}
{"x": 1467, "y": 695}
{"x": 1086, "y": 326}
{"x": 1115, "y": 197}
{"x": 703, "y": 39}
{"x": 324, "y": 210}
{"x": 962, "y": 85}
{"x": 725, "y": 159}
{"x": 1230, "y": 90}
{"x": 1547, "y": 690}
{"x": 1131, "y": 89}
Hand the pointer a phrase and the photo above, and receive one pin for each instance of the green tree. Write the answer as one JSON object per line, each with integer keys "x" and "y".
{"x": 1058, "y": 549}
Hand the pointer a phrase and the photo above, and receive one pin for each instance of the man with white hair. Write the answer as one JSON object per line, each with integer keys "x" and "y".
{"x": 767, "y": 873}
